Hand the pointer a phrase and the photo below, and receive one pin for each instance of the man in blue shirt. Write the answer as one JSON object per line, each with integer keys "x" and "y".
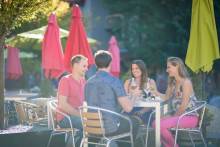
{"x": 105, "y": 91}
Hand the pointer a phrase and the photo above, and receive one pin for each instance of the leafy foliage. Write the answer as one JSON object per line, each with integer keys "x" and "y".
{"x": 46, "y": 88}
{"x": 151, "y": 29}
{"x": 15, "y": 12}
{"x": 12, "y": 14}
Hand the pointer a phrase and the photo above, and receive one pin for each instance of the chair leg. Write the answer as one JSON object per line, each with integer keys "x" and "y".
{"x": 73, "y": 140}
{"x": 66, "y": 137}
{"x": 190, "y": 136}
{"x": 56, "y": 133}
{"x": 176, "y": 135}
{"x": 203, "y": 139}
{"x": 108, "y": 143}
{"x": 146, "y": 139}
{"x": 140, "y": 135}
{"x": 48, "y": 144}
{"x": 148, "y": 125}
{"x": 82, "y": 142}
{"x": 142, "y": 141}
{"x": 132, "y": 140}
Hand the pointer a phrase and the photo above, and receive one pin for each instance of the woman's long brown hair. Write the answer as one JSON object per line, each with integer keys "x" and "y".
{"x": 141, "y": 65}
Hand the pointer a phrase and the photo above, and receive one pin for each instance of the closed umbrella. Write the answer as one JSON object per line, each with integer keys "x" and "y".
{"x": 77, "y": 42}
{"x": 13, "y": 65}
{"x": 114, "y": 50}
{"x": 52, "y": 53}
{"x": 203, "y": 44}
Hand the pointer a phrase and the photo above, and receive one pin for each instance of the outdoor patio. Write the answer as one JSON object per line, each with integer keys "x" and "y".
{"x": 38, "y": 40}
{"x": 34, "y": 126}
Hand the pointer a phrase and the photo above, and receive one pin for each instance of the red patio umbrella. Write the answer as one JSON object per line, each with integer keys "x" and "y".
{"x": 52, "y": 53}
{"x": 114, "y": 50}
{"x": 13, "y": 65}
{"x": 77, "y": 42}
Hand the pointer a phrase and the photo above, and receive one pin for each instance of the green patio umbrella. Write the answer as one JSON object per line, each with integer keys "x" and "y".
{"x": 39, "y": 34}
{"x": 21, "y": 54}
{"x": 203, "y": 46}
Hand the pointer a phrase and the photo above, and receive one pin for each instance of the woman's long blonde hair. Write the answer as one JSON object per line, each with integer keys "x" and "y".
{"x": 182, "y": 71}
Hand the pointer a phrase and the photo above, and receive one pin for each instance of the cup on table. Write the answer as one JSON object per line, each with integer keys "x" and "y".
{"x": 133, "y": 84}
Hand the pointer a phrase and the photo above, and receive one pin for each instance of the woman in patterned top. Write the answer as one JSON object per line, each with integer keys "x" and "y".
{"x": 180, "y": 91}
{"x": 139, "y": 88}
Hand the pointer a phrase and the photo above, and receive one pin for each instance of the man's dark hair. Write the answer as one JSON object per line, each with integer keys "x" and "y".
{"x": 77, "y": 59}
{"x": 103, "y": 58}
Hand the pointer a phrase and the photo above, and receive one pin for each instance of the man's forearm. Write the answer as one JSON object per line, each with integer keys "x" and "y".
{"x": 66, "y": 107}
{"x": 70, "y": 110}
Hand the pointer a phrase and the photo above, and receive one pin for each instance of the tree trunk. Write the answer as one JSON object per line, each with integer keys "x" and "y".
{"x": 2, "y": 81}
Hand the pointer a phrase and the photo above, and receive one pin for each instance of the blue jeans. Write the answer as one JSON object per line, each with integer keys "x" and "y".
{"x": 75, "y": 120}
{"x": 144, "y": 117}
{"x": 76, "y": 123}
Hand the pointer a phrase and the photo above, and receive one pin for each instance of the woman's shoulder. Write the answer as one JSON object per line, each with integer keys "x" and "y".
{"x": 187, "y": 82}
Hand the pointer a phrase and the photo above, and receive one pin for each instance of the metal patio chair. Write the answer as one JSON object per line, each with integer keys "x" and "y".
{"x": 94, "y": 127}
{"x": 52, "y": 111}
{"x": 199, "y": 108}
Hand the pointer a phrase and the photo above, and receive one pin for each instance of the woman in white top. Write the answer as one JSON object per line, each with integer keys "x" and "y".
{"x": 137, "y": 86}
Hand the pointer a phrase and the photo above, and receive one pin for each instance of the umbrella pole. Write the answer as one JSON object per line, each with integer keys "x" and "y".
{"x": 2, "y": 84}
{"x": 203, "y": 86}
{"x": 42, "y": 75}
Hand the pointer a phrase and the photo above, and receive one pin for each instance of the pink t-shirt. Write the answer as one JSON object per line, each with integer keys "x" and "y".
{"x": 73, "y": 90}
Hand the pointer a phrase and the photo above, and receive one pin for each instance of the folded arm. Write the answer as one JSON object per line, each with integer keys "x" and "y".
{"x": 66, "y": 107}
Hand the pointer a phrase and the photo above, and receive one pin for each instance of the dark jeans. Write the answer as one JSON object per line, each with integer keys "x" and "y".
{"x": 144, "y": 117}
{"x": 124, "y": 127}
{"x": 76, "y": 123}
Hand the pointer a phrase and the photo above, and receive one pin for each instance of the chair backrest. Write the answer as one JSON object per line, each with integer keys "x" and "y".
{"x": 53, "y": 111}
{"x": 22, "y": 117}
{"x": 26, "y": 112}
{"x": 199, "y": 109}
{"x": 42, "y": 104}
{"x": 201, "y": 106}
{"x": 92, "y": 121}
{"x": 52, "y": 114}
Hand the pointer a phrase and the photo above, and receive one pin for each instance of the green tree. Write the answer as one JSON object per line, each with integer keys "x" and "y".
{"x": 151, "y": 29}
{"x": 13, "y": 13}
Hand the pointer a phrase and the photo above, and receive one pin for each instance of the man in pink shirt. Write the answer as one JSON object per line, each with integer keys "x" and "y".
{"x": 71, "y": 92}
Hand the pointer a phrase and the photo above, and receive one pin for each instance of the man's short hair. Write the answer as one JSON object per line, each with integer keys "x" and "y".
{"x": 77, "y": 59}
{"x": 103, "y": 58}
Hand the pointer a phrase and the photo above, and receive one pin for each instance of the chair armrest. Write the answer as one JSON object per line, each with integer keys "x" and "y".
{"x": 53, "y": 106}
{"x": 66, "y": 116}
{"x": 62, "y": 113}
{"x": 192, "y": 111}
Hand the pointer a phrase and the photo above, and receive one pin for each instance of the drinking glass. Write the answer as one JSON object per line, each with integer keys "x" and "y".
{"x": 133, "y": 84}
